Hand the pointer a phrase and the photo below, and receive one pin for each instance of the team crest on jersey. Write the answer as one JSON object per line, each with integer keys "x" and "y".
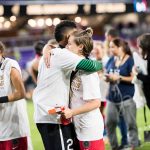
{"x": 76, "y": 83}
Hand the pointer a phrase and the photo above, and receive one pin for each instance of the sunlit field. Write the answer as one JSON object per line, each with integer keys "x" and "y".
{"x": 37, "y": 142}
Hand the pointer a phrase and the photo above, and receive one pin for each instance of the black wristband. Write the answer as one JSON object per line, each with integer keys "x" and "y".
{"x": 4, "y": 99}
{"x": 139, "y": 76}
{"x": 120, "y": 78}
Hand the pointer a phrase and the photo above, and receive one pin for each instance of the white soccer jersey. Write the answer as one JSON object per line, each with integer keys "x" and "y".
{"x": 13, "y": 115}
{"x": 89, "y": 126}
{"x": 53, "y": 84}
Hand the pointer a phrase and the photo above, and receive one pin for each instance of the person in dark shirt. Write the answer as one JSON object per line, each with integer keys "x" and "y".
{"x": 110, "y": 35}
{"x": 143, "y": 43}
{"x": 38, "y": 46}
{"x": 121, "y": 91}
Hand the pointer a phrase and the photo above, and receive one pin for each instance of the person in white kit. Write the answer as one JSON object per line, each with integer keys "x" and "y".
{"x": 14, "y": 129}
{"x": 53, "y": 87}
{"x": 85, "y": 96}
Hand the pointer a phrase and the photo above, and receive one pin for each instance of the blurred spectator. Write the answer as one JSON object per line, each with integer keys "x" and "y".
{"x": 99, "y": 54}
{"x": 140, "y": 65}
{"x": 121, "y": 91}
{"x": 14, "y": 128}
{"x": 110, "y": 35}
{"x": 38, "y": 46}
{"x": 31, "y": 71}
{"x": 144, "y": 49}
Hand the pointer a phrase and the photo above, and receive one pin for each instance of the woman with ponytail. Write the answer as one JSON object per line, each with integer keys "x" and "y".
{"x": 85, "y": 96}
{"x": 120, "y": 104}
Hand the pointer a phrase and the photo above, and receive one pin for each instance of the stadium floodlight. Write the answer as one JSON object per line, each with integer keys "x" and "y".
{"x": 7, "y": 24}
{"x": 40, "y": 22}
{"x": 52, "y": 9}
{"x": 2, "y": 19}
{"x": 79, "y": 2}
{"x": 111, "y": 8}
{"x": 13, "y": 18}
{"x": 1, "y": 10}
{"x": 32, "y": 22}
{"x": 77, "y": 19}
{"x": 15, "y": 10}
{"x": 56, "y": 21}
{"x": 1, "y": 26}
{"x": 48, "y": 22}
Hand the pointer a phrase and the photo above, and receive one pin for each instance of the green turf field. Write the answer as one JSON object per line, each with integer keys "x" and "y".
{"x": 37, "y": 142}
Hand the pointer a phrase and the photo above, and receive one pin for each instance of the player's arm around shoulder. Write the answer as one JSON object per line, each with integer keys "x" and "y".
{"x": 89, "y": 65}
{"x": 47, "y": 54}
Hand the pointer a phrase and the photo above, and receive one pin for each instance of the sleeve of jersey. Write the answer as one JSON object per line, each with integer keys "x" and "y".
{"x": 91, "y": 88}
{"x": 14, "y": 64}
{"x": 89, "y": 65}
{"x": 67, "y": 60}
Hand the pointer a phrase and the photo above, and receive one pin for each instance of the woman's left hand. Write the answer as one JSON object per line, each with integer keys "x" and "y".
{"x": 114, "y": 77}
{"x": 67, "y": 113}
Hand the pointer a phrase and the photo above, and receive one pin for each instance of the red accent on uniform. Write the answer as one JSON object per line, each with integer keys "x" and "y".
{"x": 93, "y": 145}
{"x": 21, "y": 144}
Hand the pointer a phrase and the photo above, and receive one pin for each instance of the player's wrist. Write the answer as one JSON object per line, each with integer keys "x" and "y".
{"x": 4, "y": 99}
{"x": 73, "y": 112}
{"x": 120, "y": 78}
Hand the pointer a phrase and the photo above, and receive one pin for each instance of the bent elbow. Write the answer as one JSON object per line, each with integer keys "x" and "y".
{"x": 98, "y": 103}
{"x": 22, "y": 94}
